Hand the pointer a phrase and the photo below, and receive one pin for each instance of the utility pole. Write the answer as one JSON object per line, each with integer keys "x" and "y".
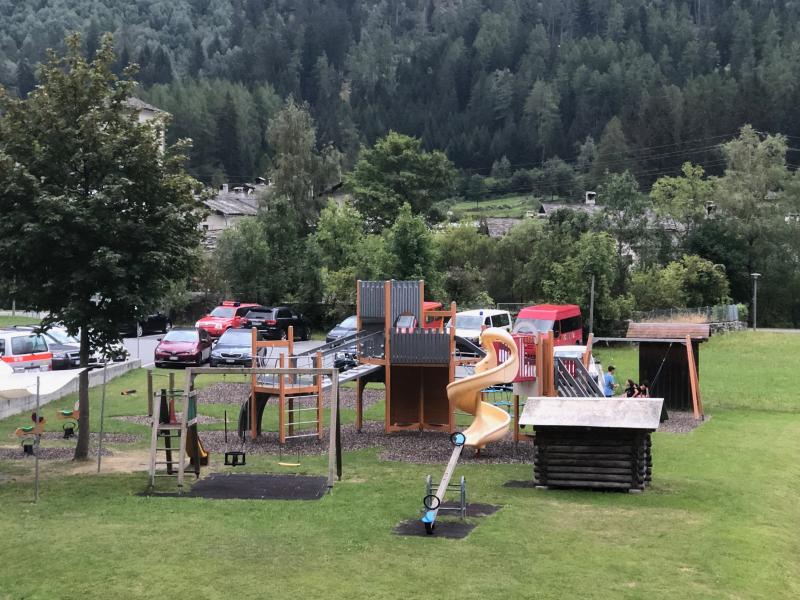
{"x": 591, "y": 307}
{"x": 755, "y": 277}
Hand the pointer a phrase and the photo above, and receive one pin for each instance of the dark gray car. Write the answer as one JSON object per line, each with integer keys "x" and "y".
{"x": 343, "y": 329}
{"x": 234, "y": 348}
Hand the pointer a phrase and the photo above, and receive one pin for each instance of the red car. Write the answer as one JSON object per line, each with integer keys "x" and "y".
{"x": 226, "y": 315}
{"x": 183, "y": 347}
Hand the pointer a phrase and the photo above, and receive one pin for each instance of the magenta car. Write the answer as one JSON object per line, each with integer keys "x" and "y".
{"x": 183, "y": 347}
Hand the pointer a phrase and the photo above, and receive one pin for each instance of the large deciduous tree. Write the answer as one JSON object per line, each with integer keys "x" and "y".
{"x": 97, "y": 219}
{"x": 394, "y": 171}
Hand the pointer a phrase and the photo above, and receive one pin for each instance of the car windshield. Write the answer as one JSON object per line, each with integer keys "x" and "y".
{"x": 533, "y": 326}
{"x": 222, "y": 312}
{"x": 236, "y": 337}
{"x": 181, "y": 335}
{"x": 468, "y": 321}
{"x": 62, "y": 337}
{"x": 348, "y": 323}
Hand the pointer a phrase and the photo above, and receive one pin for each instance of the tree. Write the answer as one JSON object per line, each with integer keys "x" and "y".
{"x": 394, "y": 171}
{"x": 685, "y": 200}
{"x": 692, "y": 281}
{"x": 26, "y": 79}
{"x": 96, "y": 219}
{"x": 410, "y": 251}
{"x": 541, "y": 108}
{"x": 301, "y": 172}
{"x": 613, "y": 152}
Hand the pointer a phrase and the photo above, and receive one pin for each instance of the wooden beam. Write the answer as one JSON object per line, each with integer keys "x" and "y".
{"x": 694, "y": 382}
{"x": 587, "y": 355}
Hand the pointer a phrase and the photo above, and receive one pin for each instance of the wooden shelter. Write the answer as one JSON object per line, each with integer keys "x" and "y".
{"x": 669, "y": 361}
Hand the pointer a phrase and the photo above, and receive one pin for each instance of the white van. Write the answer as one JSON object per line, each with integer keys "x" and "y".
{"x": 470, "y": 323}
{"x": 23, "y": 350}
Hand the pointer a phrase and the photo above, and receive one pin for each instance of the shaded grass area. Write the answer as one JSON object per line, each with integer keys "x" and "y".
{"x": 717, "y": 523}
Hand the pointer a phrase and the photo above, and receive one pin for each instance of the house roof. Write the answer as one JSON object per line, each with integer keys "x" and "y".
{"x": 233, "y": 204}
{"x": 140, "y": 105}
{"x": 548, "y": 208}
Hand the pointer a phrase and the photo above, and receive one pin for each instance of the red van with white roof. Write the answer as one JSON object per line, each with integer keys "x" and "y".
{"x": 564, "y": 320}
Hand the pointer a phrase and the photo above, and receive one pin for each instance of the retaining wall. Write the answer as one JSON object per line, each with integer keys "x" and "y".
{"x": 15, "y": 406}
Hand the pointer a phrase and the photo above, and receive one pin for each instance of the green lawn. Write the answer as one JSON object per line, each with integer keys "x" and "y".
{"x": 508, "y": 206}
{"x": 719, "y": 522}
{"x": 9, "y": 321}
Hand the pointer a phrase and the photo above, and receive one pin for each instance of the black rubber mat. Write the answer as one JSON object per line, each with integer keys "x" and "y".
{"x": 251, "y": 486}
{"x": 448, "y": 526}
{"x": 445, "y": 528}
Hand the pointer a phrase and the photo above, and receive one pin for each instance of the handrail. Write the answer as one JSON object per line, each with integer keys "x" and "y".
{"x": 342, "y": 343}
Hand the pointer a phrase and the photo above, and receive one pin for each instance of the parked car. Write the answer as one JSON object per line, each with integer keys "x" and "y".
{"x": 183, "y": 346}
{"x": 59, "y": 335}
{"x": 343, "y": 329}
{"x": 234, "y": 347}
{"x": 223, "y": 317}
{"x": 274, "y": 323}
{"x": 470, "y": 323}
{"x": 25, "y": 350}
{"x": 155, "y": 323}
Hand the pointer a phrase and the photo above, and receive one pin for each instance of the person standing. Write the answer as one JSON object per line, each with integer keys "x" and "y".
{"x": 609, "y": 382}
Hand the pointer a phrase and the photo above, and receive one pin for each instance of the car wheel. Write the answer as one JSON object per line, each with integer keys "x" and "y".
{"x": 167, "y": 326}
{"x": 306, "y": 334}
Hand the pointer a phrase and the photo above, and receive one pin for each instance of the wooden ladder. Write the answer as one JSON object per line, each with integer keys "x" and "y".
{"x": 165, "y": 465}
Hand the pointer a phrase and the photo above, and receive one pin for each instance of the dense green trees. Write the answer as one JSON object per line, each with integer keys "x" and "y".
{"x": 529, "y": 80}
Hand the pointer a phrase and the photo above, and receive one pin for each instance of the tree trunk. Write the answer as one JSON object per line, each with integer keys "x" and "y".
{"x": 82, "y": 447}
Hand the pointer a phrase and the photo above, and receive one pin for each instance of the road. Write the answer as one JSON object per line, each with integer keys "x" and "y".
{"x": 145, "y": 347}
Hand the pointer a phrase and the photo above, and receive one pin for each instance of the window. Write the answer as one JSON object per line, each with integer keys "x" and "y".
{"x": 222, "y": 311}
{"x": 284, "y": 313}
{"x": 2, "y": 347}
{"x": 181, "y": 335}
{"x": 240, "y": 312}
{"x": 28, "y": 344}
{"x": 501, "y": 320}
{"x": 570, "y": 324}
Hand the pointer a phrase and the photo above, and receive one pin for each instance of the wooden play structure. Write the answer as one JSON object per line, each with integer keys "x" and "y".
{"x": 299, "y": 398}
{"x": 669, "y": 360}
{"x": 417, "y": 361}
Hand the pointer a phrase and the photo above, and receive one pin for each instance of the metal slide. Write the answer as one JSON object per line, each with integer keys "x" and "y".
{"x": 490, "y": 423}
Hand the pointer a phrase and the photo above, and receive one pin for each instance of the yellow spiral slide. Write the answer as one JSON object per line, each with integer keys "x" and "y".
{"x": 491, "y": 422}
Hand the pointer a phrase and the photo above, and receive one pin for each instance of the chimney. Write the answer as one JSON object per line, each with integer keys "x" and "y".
{"x": 590, "y": 198}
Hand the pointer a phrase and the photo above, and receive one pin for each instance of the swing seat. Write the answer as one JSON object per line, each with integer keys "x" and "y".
{"x": 285, "y": 464}
{"x": 29, "y": 430}
{"x": 232, "y": 458}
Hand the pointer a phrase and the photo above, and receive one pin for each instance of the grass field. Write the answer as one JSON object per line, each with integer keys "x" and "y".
{"x": 9, "y": 321}
{"x": 719, "y": 522}
{"x": 509, "y": 206}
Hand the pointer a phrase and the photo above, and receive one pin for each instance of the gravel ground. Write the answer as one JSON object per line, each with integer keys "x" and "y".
{"x": 46, "y": 453}
{"x": 425, "y": 447}
{"x": 680, "y": 422}
{"x": 108, "y": 438}
{"x": 236, "y": 393}
{"x": 145, "y": 420}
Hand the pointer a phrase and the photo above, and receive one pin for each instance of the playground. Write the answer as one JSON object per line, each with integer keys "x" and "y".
{"x": 713, "y": 523}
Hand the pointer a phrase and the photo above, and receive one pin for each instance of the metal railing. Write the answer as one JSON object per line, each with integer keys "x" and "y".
{"x": 721, "y": 313}
{"x": 573, "y": 380}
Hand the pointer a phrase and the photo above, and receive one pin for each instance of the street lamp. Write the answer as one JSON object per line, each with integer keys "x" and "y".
{"x": 755, "y": 277}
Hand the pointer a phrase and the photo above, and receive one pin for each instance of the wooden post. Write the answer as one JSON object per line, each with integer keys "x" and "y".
{"x": 290, "y": 339}
{"x": 451, "y": 419}
{"x": 149, "y": 393}
{"x": 281, "y": 402}
{"x": 587, "y": 355}
{"x": 359, "y": 403}
{"x": 320, "y": 395}
{"x": 694, "y": 382}
{"x": 253, "y": 382}
{"x": 516, "y": 417}
{"x": 387, "y": 317}
{"x": 332, "y": 446}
